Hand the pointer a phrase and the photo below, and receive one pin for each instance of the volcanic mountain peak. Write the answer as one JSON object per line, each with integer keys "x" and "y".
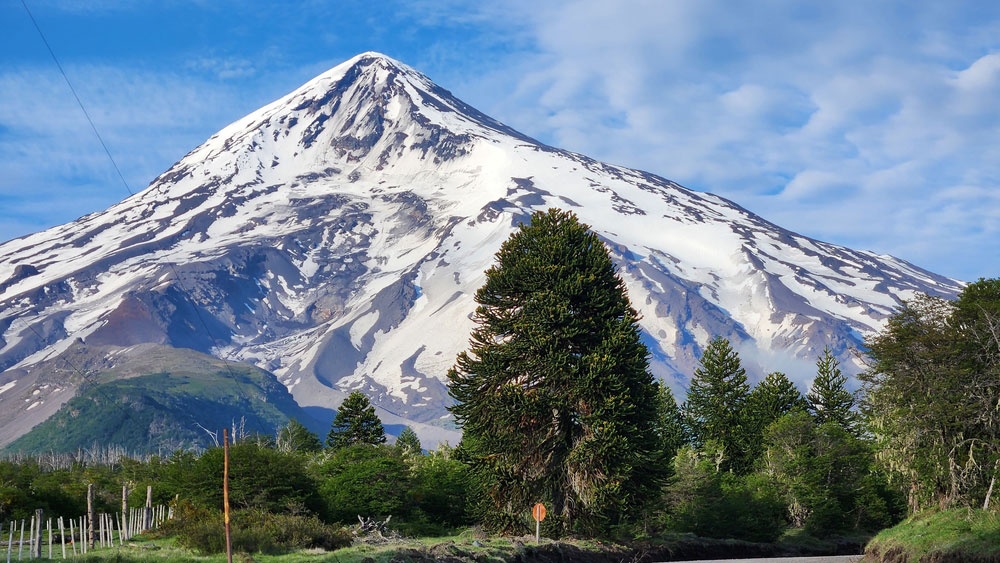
{"x": 336, "y": 237}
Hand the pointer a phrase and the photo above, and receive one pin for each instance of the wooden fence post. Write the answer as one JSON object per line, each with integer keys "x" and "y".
{"x": 124, "y": 524}
{"x": 62, "y": 537}
{"x": 148, "y": 519}
{"x": 90, "y": 516}
{"x": 37, "y": 540}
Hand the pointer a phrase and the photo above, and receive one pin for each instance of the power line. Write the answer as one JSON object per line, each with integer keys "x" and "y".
{"x": 78, "y": 101}
{"x": 173, "y": 269}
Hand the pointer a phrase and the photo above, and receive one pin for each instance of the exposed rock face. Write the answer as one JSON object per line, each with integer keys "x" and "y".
{"x": 336, "y": 238}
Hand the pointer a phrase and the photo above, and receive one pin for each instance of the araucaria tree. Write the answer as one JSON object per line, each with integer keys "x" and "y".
{"x": 828, "y": 397}
{"x": 715, "y": 410}
{"x": 355, "y": 423}
{"x": 554, "y": 395}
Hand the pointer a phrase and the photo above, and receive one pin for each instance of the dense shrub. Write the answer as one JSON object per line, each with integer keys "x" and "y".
{"x": 709, "y": 503}
{"x": 259, "y": 478}
{"x": 363, "y": 480}
{"x": 253, "y": 531}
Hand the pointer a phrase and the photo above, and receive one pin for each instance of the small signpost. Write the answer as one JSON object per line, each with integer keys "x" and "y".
{"x": 538, "y": 513}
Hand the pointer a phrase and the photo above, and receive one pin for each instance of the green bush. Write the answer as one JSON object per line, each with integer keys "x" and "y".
{"x": 259, "y": 478}
{"x": 253, "y": 531}
{"x": 364, "y": 480}
{"x": 710, "y": 503}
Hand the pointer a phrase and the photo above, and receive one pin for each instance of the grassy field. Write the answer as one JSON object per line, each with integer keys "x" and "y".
{"x": 471, "y": 547}
{"x": 959, "y": 534}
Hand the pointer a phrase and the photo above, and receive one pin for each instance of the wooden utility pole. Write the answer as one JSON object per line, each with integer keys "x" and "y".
{"x": 225, "y": 494}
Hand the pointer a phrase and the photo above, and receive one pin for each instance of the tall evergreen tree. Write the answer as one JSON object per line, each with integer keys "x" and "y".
{"x": 774, "y": 397}
{"x": 554, "y": 395}
{"x": 409, "y": 442}
{"x": 769, "y": 400}
{"x": 715, "y": 410}
{"x": 355, "y": 423}
{"x": 669, "y": 424}
{"x": 828, "y": 397}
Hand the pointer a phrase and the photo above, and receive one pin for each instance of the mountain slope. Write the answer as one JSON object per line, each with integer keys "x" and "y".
{"x": 336, "y": 238}
{"x": 154, "y": 398}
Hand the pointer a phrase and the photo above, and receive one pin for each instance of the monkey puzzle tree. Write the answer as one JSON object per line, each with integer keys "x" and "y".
{"x": 355, "y": 423}
{"x": 554, "y": 395}
{"x": 828, "y": 397}
{"x": 715, "y": 410}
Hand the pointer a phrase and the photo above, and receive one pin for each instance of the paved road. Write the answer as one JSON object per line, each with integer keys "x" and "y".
{"x": 829, "y": 559}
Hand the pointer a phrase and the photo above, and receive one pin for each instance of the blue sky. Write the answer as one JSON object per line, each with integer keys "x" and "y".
{"x": 873, "y": 124}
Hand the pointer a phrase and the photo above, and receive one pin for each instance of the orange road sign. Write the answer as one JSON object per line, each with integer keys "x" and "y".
{"x": 538, "y": 512}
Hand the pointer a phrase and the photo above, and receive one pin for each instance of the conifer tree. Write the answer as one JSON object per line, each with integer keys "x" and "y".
{"x": 408, "y": 442}
{"x": 715, "y": 410}
{"x": 669, "y": 424}
{"x": 828, "y": 397}
{"x": 355, "y": 423}
{"x": 774, "y": 397}
{"x": 554, "y": 395}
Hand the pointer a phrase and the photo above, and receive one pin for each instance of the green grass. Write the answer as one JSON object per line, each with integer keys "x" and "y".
{"x": 167, "y": 551}
{"x": 957, "y": 534}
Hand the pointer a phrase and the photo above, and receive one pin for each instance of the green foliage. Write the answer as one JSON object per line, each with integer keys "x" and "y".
{"x": 260, "y": 478}
{"x": 253, "y": 531}
{"x": 408, "y": 442}
{"x": 769, "y": 400}
{"x": 554, "y": 395}
{"x": 827, "y": 477}
{"x": 828, "y": 397}
{"x": 715, "y": 409}
{"x": 363, "y": 480}
{"x": 294, "y": 437}
{"x": 669, "y": 424}
{"x": 355, "y": 423}
{"x": 162, "y": 411}
{"x": 439, "y": 494}
{"x": 774, "y": 397}
{"x": 931, "y": 394}
{"x": 704, "y": 501}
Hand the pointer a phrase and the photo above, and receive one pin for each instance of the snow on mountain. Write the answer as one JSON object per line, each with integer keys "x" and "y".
{"x": 336, "y": 238}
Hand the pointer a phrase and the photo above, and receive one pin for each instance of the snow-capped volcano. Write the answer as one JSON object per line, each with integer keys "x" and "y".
{"x": 336, "y": 238}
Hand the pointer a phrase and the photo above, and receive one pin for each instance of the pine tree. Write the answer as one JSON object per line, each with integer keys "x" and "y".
{"x": 554, "y": 395}
{"x": 828, "y": 398}
{"x": 408, "y": 442}
{"x": 715, "y": 410}
{"x": 355, "y": 423}
{"x": 769, "y": 400}
{"x": 774, "y": 397}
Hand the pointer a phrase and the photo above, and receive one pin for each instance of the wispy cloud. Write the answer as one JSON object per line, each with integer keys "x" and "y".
{"x": 860, "y": 123}
{"x": 148, "y": 120}
{"x": 873, "y": 125}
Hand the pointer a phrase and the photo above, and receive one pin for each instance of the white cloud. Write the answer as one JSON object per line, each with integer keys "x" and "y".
{"x": 148, "y": 121}
{"x": 848, "y": 121}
